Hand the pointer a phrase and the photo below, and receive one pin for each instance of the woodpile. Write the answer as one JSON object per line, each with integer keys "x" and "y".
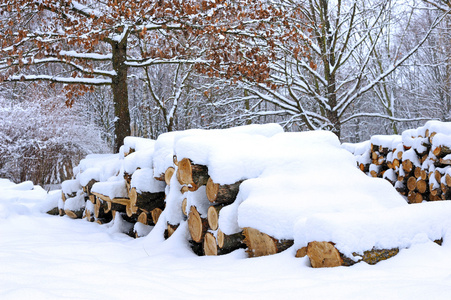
{"x": 203, "y": 200}
{"x": 417, "y": 163}
{"x": 157, "y": 184}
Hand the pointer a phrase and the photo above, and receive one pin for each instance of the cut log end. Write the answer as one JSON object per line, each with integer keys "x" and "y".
{"x": 168, "y": 175}
{"x": 213, "y": 217}
{"x": 261, "y": 244}
{"x": 323, "y": 255}
{"x": 210, "y": 245}
{"x": 197, "y": 225}
{"x": 155, "y": 213}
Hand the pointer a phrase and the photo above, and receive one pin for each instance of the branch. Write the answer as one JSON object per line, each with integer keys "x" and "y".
{"x": 376, "y": 115}
{"x": 66, "y": 80}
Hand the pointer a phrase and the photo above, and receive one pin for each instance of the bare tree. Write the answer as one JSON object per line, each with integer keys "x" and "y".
{"x": 344, "y": 40}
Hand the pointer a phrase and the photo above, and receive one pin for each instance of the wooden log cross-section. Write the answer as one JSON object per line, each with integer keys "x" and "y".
{"x": 192, "y": 175}
{"x": 260, "y": 244}
{"x": 197, "y": 225}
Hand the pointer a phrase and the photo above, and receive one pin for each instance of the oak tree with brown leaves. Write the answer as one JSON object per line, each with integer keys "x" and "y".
{"x": 82, "y": 44}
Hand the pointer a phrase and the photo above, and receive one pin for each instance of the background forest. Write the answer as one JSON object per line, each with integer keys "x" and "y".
{"x": 78, "y": 76}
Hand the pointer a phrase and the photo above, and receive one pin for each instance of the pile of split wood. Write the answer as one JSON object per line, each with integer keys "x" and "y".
{"x": 259, "y": 188}
{"x": 417, "y": 163}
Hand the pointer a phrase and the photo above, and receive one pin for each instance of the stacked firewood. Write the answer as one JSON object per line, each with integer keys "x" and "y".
{"x": 203, "y": 200}
{"x": 127, "y": 194}
{"x": 417, "y": 164}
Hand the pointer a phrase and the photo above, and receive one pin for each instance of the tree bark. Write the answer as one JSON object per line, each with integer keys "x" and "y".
{"x": 222, "y": 194}
{"x": 146, "y": 201}
{"x": 120, "y": 93}
{"x": 230, "y": 242}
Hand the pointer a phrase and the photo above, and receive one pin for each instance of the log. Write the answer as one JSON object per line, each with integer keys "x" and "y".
{"x": 448, "y": 180}
{"x": 110, "y": 206}
{"x": 89, "y": 215}
{"x": 407, "y": 166}
{"x": 213, "y": 216}
{"x": 198, "y": 248}
{"x": 146, "y": 200}
{"x": 87, "y": 188}
{"x": 74, "y": 214}
{"x": 421, "y": 186}
{"x": 438, "y": 175}
{"x": 54, "y": 211}
{"x": 441, "y": 151}
{"x": 184, "y": 205}
{"x": 192, "y": 175}
{"x": 324, "y": 254}
{"x": 99, "y": 211}
{"x": 131, "y": 211}
{"x": 411, "y": 183}
{"x": 196, "y": 224}
{"x": 399, "y": 155}
{"x": 445, "y": 162}
{"x": 145, "y": 218}
{"x": 155, "y": 213}
{"x": 363, "y": 167}
{"x": 128, "y": 180}
{"x": 417, "y": 172}
{"x": 436, "y": 197}
{"x": 414, "y": 197}
{"x": 170, "y": 229}
{"x": 168, "y": 175}
{"x": 222, "y": 193}
{"x": 374, "y": 155}
{"x": 123, "y": 201}
{"x": 301, "y": 252}
{"x": 210, "y": 245}
{"x": 260, "y": 244}
{"x": 230, "y": 242}
{"x": 395, "y": 163}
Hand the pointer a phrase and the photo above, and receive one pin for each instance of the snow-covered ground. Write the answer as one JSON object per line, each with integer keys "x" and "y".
{"x": 50, "y": 257}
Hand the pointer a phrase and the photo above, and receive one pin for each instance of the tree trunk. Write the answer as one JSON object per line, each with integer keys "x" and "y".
{"x": 120, "y": 94}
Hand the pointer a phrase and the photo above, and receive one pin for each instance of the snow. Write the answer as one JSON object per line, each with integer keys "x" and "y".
{"x": 230, "y": 154}
{"x": 163, "y": 153}
{"x": 98, "y": 166}
{"x": 70, "y": 186}
{"x": 313, "y": 175}
{"x": 49, "y": 257}
{"x": 144, "y": 181}
{"x": 137, "y": 144}
{"x": 113, "y": 188}
{"x": 386, "y": 141}
{"x": 357, "y": 148}
{"x": 301, "y": 186}
{"x": 75, "y": 203}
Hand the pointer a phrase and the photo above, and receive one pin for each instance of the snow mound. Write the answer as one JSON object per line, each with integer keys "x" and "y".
{"x": 113, "y": 188}
{"x": 305, "y": 174}
{"x": 399, "y": 227}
